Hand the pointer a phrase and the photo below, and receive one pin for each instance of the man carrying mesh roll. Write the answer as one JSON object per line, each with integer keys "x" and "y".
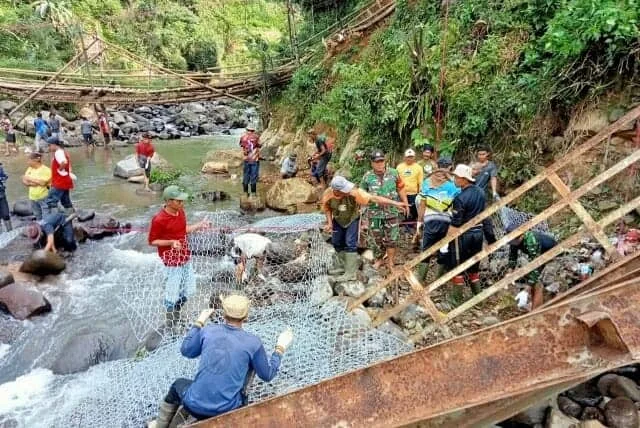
{"x": 229, "y": 357}
{"x": 168, "y": 232}
{"x": 341, "y": 204}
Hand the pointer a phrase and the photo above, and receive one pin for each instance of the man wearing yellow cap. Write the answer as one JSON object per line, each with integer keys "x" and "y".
{"x": 229, "y": 356}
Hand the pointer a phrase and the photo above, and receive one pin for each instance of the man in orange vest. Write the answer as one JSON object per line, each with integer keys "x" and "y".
{"x": 61, "y": 178}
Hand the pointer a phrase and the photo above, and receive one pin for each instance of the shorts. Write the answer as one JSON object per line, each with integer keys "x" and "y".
{"x": 88, "y": 138}
{"x": 384, "y": 232}
{"x": 10, "y": 138}
{"x": 142, "y": 163}
{"x": 180, "y": 283}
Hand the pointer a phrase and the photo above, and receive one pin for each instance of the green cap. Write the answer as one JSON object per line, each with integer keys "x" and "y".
{"x": 174, "y": 192}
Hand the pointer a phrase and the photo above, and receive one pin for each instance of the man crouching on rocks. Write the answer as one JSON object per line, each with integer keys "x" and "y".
{"x": 229, "y": 356}
{"x": 168, "y": 232}
{"x": 52, "y": 233}
{"x": 341, "y": 204}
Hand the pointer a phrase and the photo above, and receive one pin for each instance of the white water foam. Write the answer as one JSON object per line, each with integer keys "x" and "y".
{"x": 26, "y": 390}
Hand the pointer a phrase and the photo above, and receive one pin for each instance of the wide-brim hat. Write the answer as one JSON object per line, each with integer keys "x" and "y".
{"x": 235, "y": 306}
{"x": 464, "y": 171}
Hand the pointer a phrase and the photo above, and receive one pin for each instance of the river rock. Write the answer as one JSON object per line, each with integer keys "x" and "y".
{"x": 322, "y": 291}
{"x": 207, "y": 128}
{"x": 592, "y": 413}
{"x": 99, "y": 227}
{"x": 22, "y": 208}
{"x": 136, "y": 179}
{"x": 6, "y": 106}
{"x": 569, "y": 407}
{"x": 221, "y": 114}
{"x": 350, "y": 288}
{"x": 591, "y": 424}
{"x": 128, "y": 167}
{"x": 233, "y": 158}
{"x": 129, "y": 128}
{"x": 251, "y": 204}
{"x": 194, "y": 108}
{"x": 6, "y": 278}
{"x": 23, "y": 301}
{"x": 83, "y": 351}
{"x": 557, "y": 419}
{"x": 43, "y": 263}
{"x": 409, "y": 317}
{"x": 285, "y": 193}
{"x": 585, "y": 394}
{"x": 213, "y": 196}
{"x": 533, "y": 415}
{"x": 621, "y": 412}
{"x": 392, "y": 328}
{"x": 85, "y": 215}
{"x": 624, "y": 387}
{"x": 118, "y": 118}
{"x": 215, "y": 168}
{"x": 280, "y": 252}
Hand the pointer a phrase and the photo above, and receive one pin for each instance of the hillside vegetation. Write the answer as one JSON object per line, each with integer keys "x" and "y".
{"x": 515, "y": 71}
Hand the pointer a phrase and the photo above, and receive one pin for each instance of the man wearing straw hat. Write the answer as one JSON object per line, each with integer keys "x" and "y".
{"x": 229, "y": 356}
{"x": 466, "y": 205}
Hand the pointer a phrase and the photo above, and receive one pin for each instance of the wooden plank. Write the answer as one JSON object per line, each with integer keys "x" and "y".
{"x": 557, "y": 207}
{"x": 425, "y": 301}
{"x": 582, "y": 214}
{"x": 540, "y": 260}
{"x": 566, "y": 160}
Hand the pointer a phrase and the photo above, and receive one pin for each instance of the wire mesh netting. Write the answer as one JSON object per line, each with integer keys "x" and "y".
{"x": 285, "y": 261}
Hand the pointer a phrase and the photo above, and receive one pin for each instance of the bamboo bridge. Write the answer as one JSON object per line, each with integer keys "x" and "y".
{"x": 79, "y": 82}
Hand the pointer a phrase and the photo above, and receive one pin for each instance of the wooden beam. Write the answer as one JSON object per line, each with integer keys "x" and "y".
{"x": 582, "y": 214}
{"x": 426, "y": 301}
{"x": 566, "y": 160}
{"x": 581, "y": 191}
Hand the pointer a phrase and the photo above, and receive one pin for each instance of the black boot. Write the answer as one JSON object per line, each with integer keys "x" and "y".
{"x": 245, "y": 188}
{"x": 253, "y": 189}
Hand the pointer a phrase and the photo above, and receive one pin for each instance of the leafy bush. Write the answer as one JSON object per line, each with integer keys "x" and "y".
{"x": 165, "y": 177}
{"x": 200, "y": 55}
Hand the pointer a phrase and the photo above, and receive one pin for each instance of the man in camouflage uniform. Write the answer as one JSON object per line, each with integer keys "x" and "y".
{"x": 533, "y": 244}
{"x": 383, "y": 221}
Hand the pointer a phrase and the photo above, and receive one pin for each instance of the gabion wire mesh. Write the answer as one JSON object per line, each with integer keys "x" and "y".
{"x": 287, "y": 286}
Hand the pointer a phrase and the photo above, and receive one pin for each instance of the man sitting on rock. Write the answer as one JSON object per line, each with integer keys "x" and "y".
{"x": 229, "y": 357}
{"x": 341, "y": 204}
{"x": 52, "y": 233}
{"x": 289, "y": 167}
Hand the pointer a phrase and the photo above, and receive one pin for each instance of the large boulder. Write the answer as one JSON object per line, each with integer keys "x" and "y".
{"x": 6, "y": 106}
{"x": 215, "y": 168}
{"x": 99, "y": 227}
{"x": 43, "y": 263}
{"x": 233, "y": 158}
{"x": 128, "y": 167}
{"x": 221, "y": 114}
{"x": 22, "y": 208}
{"x": 6, "y": 278}
{"x": 194, "y": 108}
{"x": 83, "y": 351}
{"x": 89, "y": 113}
{"x": 23, "y": 301}
{"x": 118, "y": 118}
{"x": 621, "y": 412}
{"x": 286, "y": 193}
{"x": 251, "y": 204}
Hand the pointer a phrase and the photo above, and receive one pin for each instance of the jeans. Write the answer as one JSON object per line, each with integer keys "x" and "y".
{"x": 5, "y": 214}
{"x": 38, "y": 206}
{"x": 413, "y": 212}
{"x": 176, "y": 394}
{"x": 58, "y": 195}
{"x": 488, "y": 231}
{"x": 321, "y": 169}
{"x": 345, "y": 238}
{"x": 432, "y": 232}
{"x": 250, "y": 173}
{"x": 469, "y": 244}
{"x": 180, "y": 283}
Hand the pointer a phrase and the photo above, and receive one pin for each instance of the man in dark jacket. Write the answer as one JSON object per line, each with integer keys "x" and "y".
{"x": 54, "y": 232}
{"x": 532, "y": 243}
{"x": 229, "y": 356}
{"x": 466, "y": 205}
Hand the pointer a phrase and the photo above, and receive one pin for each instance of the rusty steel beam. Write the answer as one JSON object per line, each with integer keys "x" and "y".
{"x": 571, "y": 341}
{"x": 511, "y": 197}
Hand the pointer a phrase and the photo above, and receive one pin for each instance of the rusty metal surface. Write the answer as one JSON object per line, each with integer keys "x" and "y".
{"x": 521, "y": 356}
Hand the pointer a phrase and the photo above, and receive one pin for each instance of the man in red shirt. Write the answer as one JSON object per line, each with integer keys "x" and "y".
{"x": 103, "y": 123}
{"x": 250, "y": 143}
{"x": 144, "y": 153}
{"x": 61, "y": 178}
{"x": 168, "y": 232}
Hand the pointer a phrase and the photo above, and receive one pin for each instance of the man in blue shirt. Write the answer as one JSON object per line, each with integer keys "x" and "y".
{"x": 54, "y": 232}
{"x": 229, "y": 356}
{"x": 41, "y": 129}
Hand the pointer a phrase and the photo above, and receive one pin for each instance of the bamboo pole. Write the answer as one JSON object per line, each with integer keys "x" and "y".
{"x": 566, "y": 160}
{"x": 51, "y": 79}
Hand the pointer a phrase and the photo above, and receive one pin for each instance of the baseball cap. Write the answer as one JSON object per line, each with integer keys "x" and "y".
{"x": 341, "y": 184}
{"x": 409, "y": 153}
{"x": 235, "y": 306}
{"x": 377, "y": 155}
{"x": 464, "y": 171}
{"x": 174, "y": 192}
{"x": 444, "y": 161}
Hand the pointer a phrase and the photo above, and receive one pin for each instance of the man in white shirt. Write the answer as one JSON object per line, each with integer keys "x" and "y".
{"x": 289, "y": 166}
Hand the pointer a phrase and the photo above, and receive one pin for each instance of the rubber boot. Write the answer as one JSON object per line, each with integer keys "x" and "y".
{"x": 7, "y": 225}
{"x": 421, "y": 273}
{"x": 338, "y": 266}
{"x": 351, "y": 264}
{"x": 474, "y": 278}
{"x": 245, "y": 189}
{"x": 165, "y": 415}
{"x": 456, "y": 294}
{"x": 254, "y": 189}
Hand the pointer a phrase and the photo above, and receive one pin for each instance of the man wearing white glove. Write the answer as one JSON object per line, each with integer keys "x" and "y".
{"x": 228, "y": 358}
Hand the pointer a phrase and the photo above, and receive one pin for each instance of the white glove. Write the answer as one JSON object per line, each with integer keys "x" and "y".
{"x": 204, "y": 316}
{"x": 284, "y": 340}
{"x": 523, "y": 299}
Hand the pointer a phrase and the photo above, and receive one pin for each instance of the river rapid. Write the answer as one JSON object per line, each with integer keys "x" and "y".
{"x": 86, "y": 297}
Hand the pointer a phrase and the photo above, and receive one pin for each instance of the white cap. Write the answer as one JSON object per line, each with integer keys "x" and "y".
{"x": 235, "y": 306}
{"x": 409, "y": 153}
{"x": 464, "y": 171}
{"x": 341, "y": 184}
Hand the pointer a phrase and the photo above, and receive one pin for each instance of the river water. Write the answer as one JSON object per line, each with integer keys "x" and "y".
{"x": 86, "y": 298}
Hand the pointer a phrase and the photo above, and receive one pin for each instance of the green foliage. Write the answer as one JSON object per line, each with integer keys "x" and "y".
{"x": 165, "y": 177}
{"x": 200, "y": 55}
